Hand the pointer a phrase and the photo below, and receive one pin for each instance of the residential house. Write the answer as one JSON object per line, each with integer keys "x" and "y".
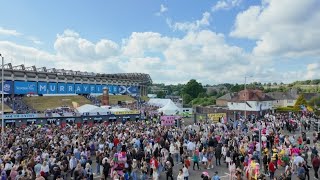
{"x": 253, "y": 102}
{"x": 223, "y": 100}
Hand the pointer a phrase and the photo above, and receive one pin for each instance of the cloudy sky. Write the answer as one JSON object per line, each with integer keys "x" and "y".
{"x": 173, "y": 41}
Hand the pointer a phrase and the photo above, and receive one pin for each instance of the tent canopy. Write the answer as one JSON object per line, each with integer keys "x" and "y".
{"x": 169, "y": 109}
{"x": 158, "y": 102}
{"x": 91, "y": 109}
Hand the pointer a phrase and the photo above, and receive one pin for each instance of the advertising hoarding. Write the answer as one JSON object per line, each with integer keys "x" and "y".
{"x": 8, "y": 87}
{"x": 70, "y": 88}
{"x": 78, "y": 88}
{"x": 98, "y": 88}
{"x": 215, "y": 117}
{"x": 85, "y": 89}
{"x": 21, "y": 87}
{"x": 42, "y": 88}
{"x": 92, "y": 88}
{"x": 52, "y": 88}
{"x": 62, "y": 88}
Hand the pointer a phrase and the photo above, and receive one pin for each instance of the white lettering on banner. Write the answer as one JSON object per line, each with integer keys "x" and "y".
{"x": 70, "y": 89}
{"x": 18, "y": 116}
{"x": 78, "y": 89}
{"x": 98, "y": 88}
{"x": 92, "y": 88}
{"x": 61, "y": 88}
{"x": 42, "y": 87}
{"x": 52, "y": 88}
{"x": 85, "y": 88}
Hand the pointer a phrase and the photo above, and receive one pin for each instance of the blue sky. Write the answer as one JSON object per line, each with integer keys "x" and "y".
{"x": 173, "y": 41}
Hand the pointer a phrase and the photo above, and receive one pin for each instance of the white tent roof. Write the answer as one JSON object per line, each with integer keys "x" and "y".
{"x": 86, "y": 108}
{"x": 158, "y": 102}
{"x": 91, "y": 109}
{"x": 169, "y": 109}
{"x": 119, "y": 109}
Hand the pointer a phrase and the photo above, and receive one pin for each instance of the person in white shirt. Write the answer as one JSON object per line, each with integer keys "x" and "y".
{"x": 185, "y": 172}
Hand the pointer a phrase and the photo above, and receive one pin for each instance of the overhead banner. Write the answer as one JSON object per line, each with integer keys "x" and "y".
{"x": 21, "y": 87}
{"x": 92, "y": 88}
{"x": 62, "y": 88}
{"x": 215, "y": 117}
{"x": 8, "y": 87}
{"x": 53, "y": 88}
{"x": 70, "y": 88}
{"x": 126, "y": 112}
{"x": 42, "y": 88}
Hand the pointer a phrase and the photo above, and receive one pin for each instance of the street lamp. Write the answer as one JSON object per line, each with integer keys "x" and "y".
{"x": 245, "y": 104}
{"x": 2, "y": 101}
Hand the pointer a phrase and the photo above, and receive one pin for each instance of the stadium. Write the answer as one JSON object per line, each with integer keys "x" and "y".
{"x": 31, "y": 92}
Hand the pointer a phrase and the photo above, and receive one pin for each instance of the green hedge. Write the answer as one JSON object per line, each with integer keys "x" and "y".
{"x": 287, "y": 109}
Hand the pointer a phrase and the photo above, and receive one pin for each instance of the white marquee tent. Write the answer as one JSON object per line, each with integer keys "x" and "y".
{"x": 158, "y": 102}
{"x": 93, "y": 110}
{"x": 169, "y": 109}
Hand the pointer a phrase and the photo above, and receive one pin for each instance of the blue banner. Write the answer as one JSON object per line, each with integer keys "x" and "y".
{"x": 8, "y": 87}
{"x": 110, "y": 88}
{"x": 42, "y": 88}
{"x": 21, "y": 87}
{"x": 123, "y": 89}
{"x": 62, "y": 88}
{"x": 85, "y": 88}
{"x": 132, "y": 89}
{"x": 98, "y": 88}
{"x": 53, "y": 88}
{"x": 115, "y": 89}
{"x": 70, "y": 88}
{"x": 78, "y": 88}
{"x": 92, "y": 88}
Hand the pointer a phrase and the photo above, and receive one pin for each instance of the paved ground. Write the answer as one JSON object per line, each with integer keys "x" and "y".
{"x": 222, "y": 170}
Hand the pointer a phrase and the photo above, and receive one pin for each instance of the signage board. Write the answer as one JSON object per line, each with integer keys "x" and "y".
{"x": 126, "y": 112}
{"x": 216, "y": 116}
{"x": 53, "y": 88}
{"x": 168, "y": 120}
{"x": 19, "y": 116}
{"x": 8, "y": 87}
{"x": 21, "y": 87}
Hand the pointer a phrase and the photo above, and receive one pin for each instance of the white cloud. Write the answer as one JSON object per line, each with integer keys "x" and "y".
{"x": 34, "y": 40}
{"x": 191, "y": 26}
{"x": 313, "y": 71}
{"x": 286, "y": 28}
{"x": 140, "y": 43}
{"x": 9, "y": 32}
{"x": 203, "y": 55}
{"x": 72, "y": 46}
{"x": 226, "y": 4}
{"x": 162, "y": 10}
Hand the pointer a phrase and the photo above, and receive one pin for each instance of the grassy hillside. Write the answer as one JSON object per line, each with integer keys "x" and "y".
{"x": 5, "y": 108}
{"x": 41, "y": 103}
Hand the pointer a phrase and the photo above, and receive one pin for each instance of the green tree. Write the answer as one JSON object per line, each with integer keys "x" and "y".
{"x": 186, "y": 98}
{"x": 315, "y": 101}
{"x": 193, "y": 88}
{"x": 300, "y": 101}
{"x": 161, "y": 94}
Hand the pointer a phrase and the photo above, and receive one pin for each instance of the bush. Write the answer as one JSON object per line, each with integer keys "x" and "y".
{"x": 287, "y": 109}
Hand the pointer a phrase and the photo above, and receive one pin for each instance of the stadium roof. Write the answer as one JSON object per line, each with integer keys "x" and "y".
{"x": 143, "y": 78}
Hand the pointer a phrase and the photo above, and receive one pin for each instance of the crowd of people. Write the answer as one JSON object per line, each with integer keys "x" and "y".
{"x": 147, "y": 150}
